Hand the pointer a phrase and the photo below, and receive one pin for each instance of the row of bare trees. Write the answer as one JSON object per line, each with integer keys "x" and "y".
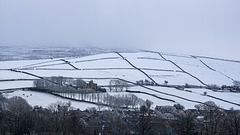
{"x": 118, "y": 85}
{"x": 51, "y": 85}
{"x": 118, "y": 100}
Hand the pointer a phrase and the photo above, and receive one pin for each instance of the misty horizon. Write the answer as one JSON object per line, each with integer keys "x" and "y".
{"x": 206, "y": 28}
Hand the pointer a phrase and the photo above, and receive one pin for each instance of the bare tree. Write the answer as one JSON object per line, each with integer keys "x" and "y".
{"x": 165, "y": 82}
{"x": 81, "y": 84}
{"x": 213, "y": 118}
{"x": 236, "y": 83}
{"x": 186, "y": 123}
{"x": 233, "y": 122}
{"x": 19, "y": 121}
{"x": 145, "y": 121}
{"x": 118, "y": 85}
{"x": 59, "y": 116}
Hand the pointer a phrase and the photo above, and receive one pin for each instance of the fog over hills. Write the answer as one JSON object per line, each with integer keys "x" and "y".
{"x": 209, "y": 28}
{"x": 45, "y": 52}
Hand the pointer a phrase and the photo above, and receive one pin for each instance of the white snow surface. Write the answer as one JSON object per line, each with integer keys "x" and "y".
{"x": 156, "y": 101}
{"x": 94, "y": 57}
{"x": 6, "y": 74}
{"x": 104, "y": 67}
{"x": 173, "y": 78}
{"x": 21, "y": 63}
{"x": 141, "y": 55}
{"x": 105, "y": 63}
{"x": 226, "y": 95}
{"x": 199, "y": 70}
{"x": 228, "y": 68}
{"x": 153, "y": 64}
{"x": 130, "y": 75}
{"x": 15, "y": 84}
{"x": 187, "y": 95}
{"x": 43, "y": 99}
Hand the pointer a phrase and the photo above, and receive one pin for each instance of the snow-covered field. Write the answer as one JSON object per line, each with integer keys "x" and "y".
{"x": 144, "y": 65}
{"x": 173, "y": 78}
{"x": 182, "y": 97}
{"x": 196, "y": 68}
{"x": 43, "y": 99}
{"x": 229, "y": 96}
{"x": 6, "y": 75}
{"x": 228, "y": 68}
{"x": 15, "y": 84}
{"x": 128, "y": 74}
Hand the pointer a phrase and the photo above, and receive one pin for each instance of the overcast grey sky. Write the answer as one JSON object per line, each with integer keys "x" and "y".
{"x": 200, "y": 27}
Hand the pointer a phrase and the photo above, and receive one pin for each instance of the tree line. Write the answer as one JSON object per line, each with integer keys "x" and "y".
{"x": 17, "y": 117}
{"x": 117, "y": 100}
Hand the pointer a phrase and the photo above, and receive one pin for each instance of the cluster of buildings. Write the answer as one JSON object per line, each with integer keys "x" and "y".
{"x": 231, "y": 88}
{"x": 76, "y": 83}
{"x": 145, "y": 82}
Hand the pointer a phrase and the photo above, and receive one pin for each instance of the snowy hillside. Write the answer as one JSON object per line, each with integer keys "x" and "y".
{"x": 166, "y": 71}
